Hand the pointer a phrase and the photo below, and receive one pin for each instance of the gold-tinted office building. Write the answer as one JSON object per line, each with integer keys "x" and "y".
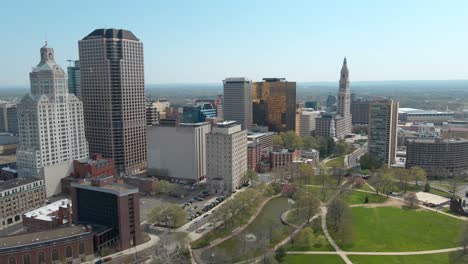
{"x": 274, "y": 104}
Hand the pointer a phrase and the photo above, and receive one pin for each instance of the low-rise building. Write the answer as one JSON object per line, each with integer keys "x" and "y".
{"x": 18, "y": 196}
{"x": 282, "y": 158}
{"x": 53, "y": 215}
{"x": 311, "y": 155}
{"x": 71, "y": 244}
{"x": 144, "y": 184}
{"x": 418, "y": 115}
{"x": 8, "y": 144}
{"x": 8, "y": 173}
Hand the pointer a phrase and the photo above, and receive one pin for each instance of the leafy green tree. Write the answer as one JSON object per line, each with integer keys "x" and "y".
{"x": 341, "y": 148}
{"x": 250, "y": 176}
{"x": 306, "y": 172}
{"x": 277, "y": 140}
{"x": 339, "y": 221}
{"x": 291, "y": 140}
{"x": 306, "y": 204}
{"x": 280, "y": 253}
{"x": 311, "y": 142}
{"x": 419, "y": 174}
{"x": 164, "y": 187}
{"x": 369, "y": 162}
{"x": 168, "y": 214}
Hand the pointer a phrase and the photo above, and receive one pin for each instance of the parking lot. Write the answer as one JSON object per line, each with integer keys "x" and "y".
{"x": 148, "y": 202}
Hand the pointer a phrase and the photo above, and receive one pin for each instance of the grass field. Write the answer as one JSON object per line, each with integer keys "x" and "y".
{"x": 394, "y": 229}
{"x": 335, "y": 163}
{"x": 316, "y": 190}
{"x": 266, "y": 226}
{"x": 415, "y": 259}
{"x": 354, "y": 197}
{"x": 312, "y": 259}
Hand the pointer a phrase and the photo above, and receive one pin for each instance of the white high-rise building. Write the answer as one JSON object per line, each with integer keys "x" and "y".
{"x": 226, "y": 157}
{"x": 237, "y": 105}
{"x": 51, "y": 128}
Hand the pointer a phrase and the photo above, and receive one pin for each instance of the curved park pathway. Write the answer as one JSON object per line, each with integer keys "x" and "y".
{"x": 344, "y": 254}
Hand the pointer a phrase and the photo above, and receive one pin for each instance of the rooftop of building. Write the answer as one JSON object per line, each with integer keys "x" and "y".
{"x": 438, "y": 140}
{"x": 16, "y": 182}
{"x": 119, "y": 189}
{"x": 44, "y": 213}
{"x": 97, "y": 161}
{"x": 7, "y": 159}
{"x": 455, "y": 129}
{"x": 282, "y": 151}
{"x": 236, "y": 79}
{"x": 226, "y": 124}
{"x": 41, "y": 236}
{"x": 254, "y": 135}
{"x": 111, "y": 33}
{"x": 407, "y": 110}
{"x": 8, "y": 169}
{"x": 8, "y": 139}
{"x": 274, "y": 79}
{"x": 193, "y": 124}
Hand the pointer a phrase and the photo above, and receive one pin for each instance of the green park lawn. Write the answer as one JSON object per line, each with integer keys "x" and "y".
{"x": 317, "y": 190}
{"x": 335, "y": 163}
{"x": 442, "y": 258}
{"x": 265, "y": 226}
{"x": 355, "y": 197}
{"x": 312, "y": 259}
{"x": 394, "y": 229}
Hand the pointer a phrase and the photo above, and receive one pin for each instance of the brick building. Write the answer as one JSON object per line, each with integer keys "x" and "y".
{"x": 18, "y": 196}
{"x": 72, "y": 244}
{"x": 96, "y": 166}
{"x": 144, "y": 184}
{"x": 281, "y": 158}
{"x": 254, "y": 156}
{"x": 56, "y": 214}
{"x": 115, "y": 211}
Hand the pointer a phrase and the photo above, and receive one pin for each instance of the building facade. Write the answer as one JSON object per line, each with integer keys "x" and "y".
{"x": 274, "y": 102}
{"x": 343, "y": 118}
{"x": 74, "y": 78}
{"x": 9, "y": 118}
{"x": 113, "y": 94}
{"x": 360, "y": 112}
{"x": 237, "y": 101}
{"x": 383, "y": 125}
{"x": 18, "y": 196}
{"x": 178, "y": 152}
{"x": 71, "y": 244}
{"x": 282, "y": 158}
{"x": 53, "y": 215}
{"x": 51, "y": 128}
{"x": 226, "y": 154}
{"x": 439, "y": 157}
{"x": 254, "y": 156}
{"x": 116, "y": 209}
{"x": 305, "y": 121}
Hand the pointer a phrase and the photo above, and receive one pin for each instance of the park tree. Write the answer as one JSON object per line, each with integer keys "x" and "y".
{"x": 168, "y": 214}
{"x": 306, "y": 204}
{"x": 280, "y": 253}
{"x": 291, "y": 140}
{"x": 403, "y": 175}
{"x": 461, "y": 256}
{"x": 369, "y": 162}
{"x": 311, "y": 142}
{"x": 411, "y": 201}
{"x": 277, "y": 140}
{"x": 164, "y": 187}
{"x": 341, "y": 148}
{"x": 339, "y": 221}
{"x": 249, "y": 176}
{"x": 306, "y": 172}
{"x": 418, "y": 174}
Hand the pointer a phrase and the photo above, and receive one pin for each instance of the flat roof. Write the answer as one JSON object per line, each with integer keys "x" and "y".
{"x": 8, "y": 140}
{"x": 16, "y": 182}
{"x": 438, "y": 140}
{"x": 407, "y": 110}
{"x": 7, "y": 159}
{"x": 119, "y": 189}
{"x": 41, "y": 236}
{"x": 43, "y": 213}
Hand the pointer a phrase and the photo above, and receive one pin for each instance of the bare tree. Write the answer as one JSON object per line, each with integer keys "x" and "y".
{"x": 411, "y": 200}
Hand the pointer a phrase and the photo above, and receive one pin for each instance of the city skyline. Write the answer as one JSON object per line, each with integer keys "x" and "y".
{"x": 204, "y": 43}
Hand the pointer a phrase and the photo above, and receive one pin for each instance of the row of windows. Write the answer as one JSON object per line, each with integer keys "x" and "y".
{"x": 41, "y": 259}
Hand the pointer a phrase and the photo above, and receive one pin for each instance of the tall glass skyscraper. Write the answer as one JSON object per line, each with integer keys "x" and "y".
{"x": 74, "y": 78}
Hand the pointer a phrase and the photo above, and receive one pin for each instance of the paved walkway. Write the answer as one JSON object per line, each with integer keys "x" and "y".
{"x": 404, "y": 253}
{"x": 330, "y": 239}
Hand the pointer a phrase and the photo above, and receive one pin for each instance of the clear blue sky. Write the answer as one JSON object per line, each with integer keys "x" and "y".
{"x": 207, "y": 40}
